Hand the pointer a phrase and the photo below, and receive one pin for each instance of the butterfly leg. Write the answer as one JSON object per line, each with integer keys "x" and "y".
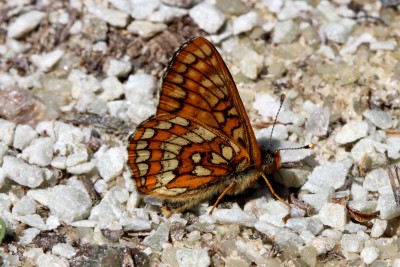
{"x": 272, "y": 190}
{"x": 229, "y": 188}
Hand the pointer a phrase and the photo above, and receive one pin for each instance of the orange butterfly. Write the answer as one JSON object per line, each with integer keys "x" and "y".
{"x": 200, "y": 142}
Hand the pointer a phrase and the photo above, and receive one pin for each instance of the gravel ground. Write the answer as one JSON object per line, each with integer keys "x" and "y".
{"x": 77, "y": 76}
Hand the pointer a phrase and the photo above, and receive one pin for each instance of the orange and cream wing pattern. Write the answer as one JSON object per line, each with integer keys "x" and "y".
{"x": 198, "y": 85}
{"x": 176, "y": 157}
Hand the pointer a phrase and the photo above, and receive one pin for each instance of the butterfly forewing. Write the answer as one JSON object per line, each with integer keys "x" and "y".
{"x": 173, "y": 156}
{"x": 198, "y": 85}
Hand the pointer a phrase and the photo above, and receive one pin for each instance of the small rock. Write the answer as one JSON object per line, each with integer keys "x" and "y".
{"x": 139, "y": 87}
{"x": 23, "y": 173}
{"x": 91, "y": 103}
{"x": 113, "y": 17}
{"x": 52, "y": 222}
{"x": 51, "y": 260}
{"x": 245, "y": 23}
{"x": 274, "y": 212}
{"x": 251, "y": 63}
{"x": 33, "y": 220}
{"x": 142, "y": 9}
{"x": 334, "y": 215}
{"x": 24, "y": 134}
{"x": 100, "y": 186}
{"x": 323, "y": 244}
{"x": 39, "y": 152}
{"x": 381, "y": 119}
{"x": 135, "y": 224}
{"x": 46, "y": 62}
{"x": 338, "y": 31}
{"x": 317, "y": 200}
{"x": 82, "y": 168}
{"x": 6, "y": 132}
{"x": 358, "y": 192}
{"x": 328, "y": 175}
{"x": 351, "y": 132}
{"x": 207, "y": 17}
{"x": 352, "y": 243}
{"x": 355, "y": 227}
{"x": 24, "y": 206}
{"x": 111, "y": 207}
{"x": 369, "y": 254}
{"x": 187, "y": 257}
{"x": 146, "y": 29}
{"x": 79, "y": 156}
{"x": 378, "y": 228}
{"x": 318, "y": 122}
{"x": 299, "y": 225}
{"x": 82, "y": 82}
{"x": 66, "y": 203}
{"x": 64, "y": 250}
{"x": 25, "y": 23}
{"x": 158, "y": 237}
{"x": 28, "y": 235}
{"x": 393, "y": 147}
{"x": 282, "y": 236}
{"x": 179, "y": 3}
{"x": 123, "y": 5}
{"x": 234, "y": 216}
{"x": 285, "y": 32}
{"x": 166, "y": 14}
{"x": 111, "y": 163}
{"x": 118, "y": 68}
{"x": 3, "y": 152}
{"x": 386, "y": 203}
{"x": 376, "y": 179}
{"x": 59, "y": 162}
{"x": 248, "y": 251}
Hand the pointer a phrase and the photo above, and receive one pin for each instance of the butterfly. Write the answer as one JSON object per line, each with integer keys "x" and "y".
{"x": 200, "y": 142}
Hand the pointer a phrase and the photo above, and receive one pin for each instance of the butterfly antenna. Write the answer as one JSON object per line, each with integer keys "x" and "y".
{"x": 283, "y": 96}
{"x": 310, "y": 146}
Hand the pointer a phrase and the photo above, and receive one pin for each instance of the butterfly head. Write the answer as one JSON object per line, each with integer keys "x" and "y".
{"x": 272, "y": 161}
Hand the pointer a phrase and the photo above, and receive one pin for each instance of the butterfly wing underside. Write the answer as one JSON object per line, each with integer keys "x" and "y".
{"x": 197, "y": 84}
{"x": 200, "y": 135}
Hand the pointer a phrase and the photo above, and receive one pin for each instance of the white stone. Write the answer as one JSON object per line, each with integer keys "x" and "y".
{"x": 274, "y": 5}
{"x": 363, "y": 205}
{"x": 79, "y": 156}
{"x": 146, "y": 29}
{"x": 331, "y": 174}
{"x": 338, "y": 31}
{"x": 52, "y": 222}
{"x": 142, "y": 9}
{"x": 369, "y": 254}
{"x": 334, "y": 215}
{"x": 139, "y": 87}
{"x": 6, "y": 132}
{"x": 157, "y": 238}
{"x": 24, "y": 206}
{"x": 358, "y": 192}
{"x": 59, "y": 162}
{"x": 317, "y": 200}
{"x": 234, "y": 216}
{"x": 82, "y": 82}
{"x": 353, "y": 228}
{"x": 49, "y": 260}
{"x": 352, "y": 243}
{"x": 111, "y": 16}
{"x": 390, "y": 44}
{"x": 187, "y": 257}
{"x": 33, "y": 220}
{"x": 39, "y": 152}
{"x": 251, "y": 62}
{"x": 25, "y": 23}
{"x": 207, "y": 17}
{"x": 282, "y": 236}
{"x": 323, "y": 244}
{"x": 366, "y": 147}
{"x": 65, "y": 202}
{"x": 23, "y": 136}
{"x": 133, "y": 201}
{"x": 91, "y": 103}
{"x": 118, "y": 68}
{"x": 393, "y": 147}
{"x": 23, "y": 173}
{"x": 274, "y": 212}
{"x": 376, "y": 179}
{"x": 82, "y": 168}
{"x": 46, "y": 62}
{"x": 379, "y": 227}
{"x": 135, "y": 224}
{"x": 309, "y": 224}
{"x": 2, "y": 177}
{"x": 33, "y": 253}
{"x": 28, "y": 235}
{"x": 380, "y": 118}
{"x": 111, "y": 163}
{"x": 166, "y": 14}
{"x": 351, "y": 132}
{"x": 111, "y": 207}
{"x": 63, "y": 250}
{"x": 386, "y": 203}
{"x": 248, "y": 251}
{"x": 112, "y": 89}
{"x": 245, "y": 23}
{"x": 285, "y": 32}
{"x": 100, "y": 186}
